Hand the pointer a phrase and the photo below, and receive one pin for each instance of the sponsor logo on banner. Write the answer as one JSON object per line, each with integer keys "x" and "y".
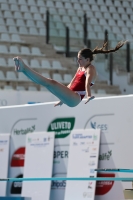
{"x": 86, "y": 150}
{"x": 87, "y": 194}
{"x": 16, "y": 186}
{"x": 92, "y": 171}
{"x": 81, "y": 136}
{"x": 99, "y": 122}
{"x": 24, "y": 131}
{"x": 92, "y": 162}
{"x": 18, "y": 157}
{"x": 61, "y": 126}
{"x": 103, "y": 187}
{"x": 3, "y": 142}
{"x": 59, "y": 184}
{"x": 36, "y": 142}
{"x": 105, "y": 156}
{"x": 23, "y": 127}
{"x": 60, "y": 154}
{"x": 90, "y": 185}
{"x": 103, "y": 127}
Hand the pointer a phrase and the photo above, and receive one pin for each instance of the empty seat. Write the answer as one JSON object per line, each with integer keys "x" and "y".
{"x": 129, "y": 11}
{"x": 3, "y": 62}
{"x": 2, "y": 76}
{"x": 101, "y": 91}
{"x": 23, "y": 30}
{"x": 56, "y": 65}
{"x": 15, "y": 38}
{"x": 75, "y": 20}
{"x": 71, "y": 12}
{"x": 7, "y": 14}
{"x": 34, "y": 9}
{"x": 67, "y": 78}
{"x": 57, "y": 77}
{"x": 100, "y": 2}
{"x": 8, "y": 87}
{"x": 12, "y": 29}
{"x": 26, "y": 62}
{"x": 20, "y": 22}
{"x": 109, "y": 3}
{"x": 13, "y": 50}
{"x": 34, "y": 63}
{"x": 33, "y": 31}
{"x": 40, "y": 3}
{"x": 12, "y": 1}
{"x": 14, "y": 7}
{"x": 58, "y": 4}
{"x": 30, "y": 23}
{"x": 3, "y": 49}
{"x": 32, "y": 88}
{"x": 25, "y": 50}
{"x": 24, "y": 8}
{"x": 121, "y": 10}
{"x": 47, "y": 75}
{"x": 28, "y": 16}
{"x": 45, "y": 64}
{"x": 37, "y": 16}
{"x": 2, "y": 22}
{"x": 125, "y": 30}
{"x": 76, "y": 6}
{"x": 94, "y": 8}
{"x": 111, "y": 22}
{"x": 107, "y": 15}
{"x": 36, "y": 51}
{"x": 42, "y": 31}
{"x": 120, "y": 23}
{"x": 112, "y": 9}
{"x": 10, "y": 62}
{"x": 20, "y": 2}
{"x": 19, "y": 88}
{"x": 31, "y": 2}
{"x": 5, "y": 37}
{"x": 69, "y": 5}
{"x": 116, "y": 29}
{"x": 10, "y": 22}
{"x": 98, "y": 15}
{"x": 3, "y": 29}
{"x": 49, "y": 3}
{"x": 62, "y": 11}
{"x": 116, "y": 16}
{"x": 10, "y": 76}
{"x": 22, "y": 77}
{"x": 18, "y": 15}
{"x": 86, "y": 7}
{"x": 124, "y": 17}
{"x": 40, "y": 24}
{"x": 129, "y": 24}
{"x": 42, "y": 10}
{"x": 103, "y": 8}
{"x": 4, "y": 7}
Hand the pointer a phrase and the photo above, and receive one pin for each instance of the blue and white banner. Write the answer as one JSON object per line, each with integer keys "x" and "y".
{"x": 83, "y": 159}
{"x": 38, "y": 164}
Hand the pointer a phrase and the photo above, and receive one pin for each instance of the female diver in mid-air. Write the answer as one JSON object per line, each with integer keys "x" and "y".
{"x": 84, "y": 78}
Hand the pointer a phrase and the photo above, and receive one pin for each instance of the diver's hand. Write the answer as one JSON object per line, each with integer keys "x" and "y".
{"x": 89, "y": 99}
{"x": 58, "y": 104}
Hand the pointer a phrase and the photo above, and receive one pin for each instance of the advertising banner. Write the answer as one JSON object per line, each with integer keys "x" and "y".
{"x": 114, "y": 117}
{"x": 4, "y": 158}
{"x": 38, "y": 164}
{"x": 83, "y": 152}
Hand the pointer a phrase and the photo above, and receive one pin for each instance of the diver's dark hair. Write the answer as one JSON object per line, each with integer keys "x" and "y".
{"x": 88, "y": 53}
